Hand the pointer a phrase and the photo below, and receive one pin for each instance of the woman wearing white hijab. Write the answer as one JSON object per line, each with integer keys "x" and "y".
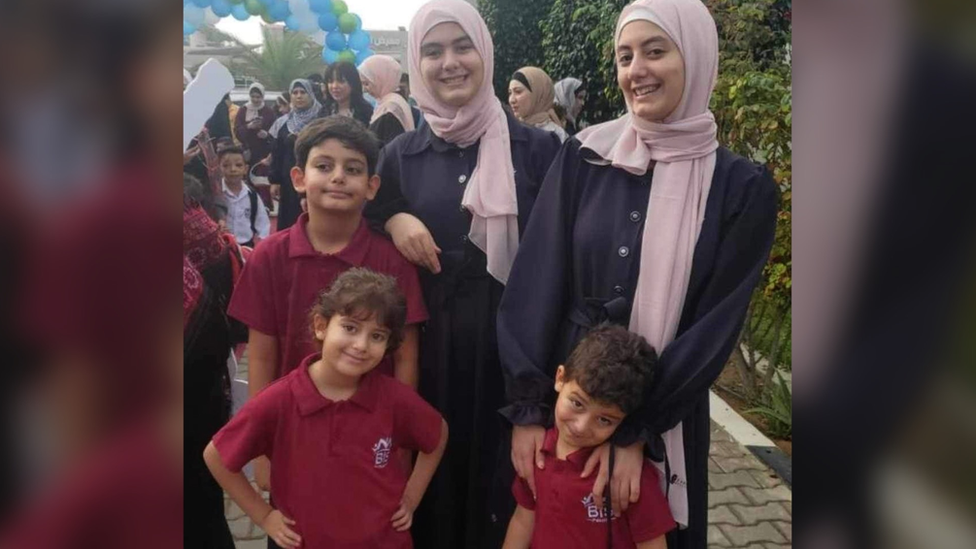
{"x": 467, "y": 181}
{"x": 644, "y": 221}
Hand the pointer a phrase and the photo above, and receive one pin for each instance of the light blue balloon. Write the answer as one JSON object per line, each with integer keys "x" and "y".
{"x": 329, "y": 56}
{"x": 240, "y": 12}
{"x": 359, "y": 40}
{"x": 267, "y": 3}
{"x": 335, "y": 40}
{"x": 188, "y": 28}
{"x": 320, "y": 6}
{"x": 293, "y": 23}
{"x": 279, "y": 11}
{"x": 328, "y": 22}
{"x": 221, "y": 8}
{"x": 202, "y": 3}
{"x": 194, "y": 15}
{"x": 363, "y": 55}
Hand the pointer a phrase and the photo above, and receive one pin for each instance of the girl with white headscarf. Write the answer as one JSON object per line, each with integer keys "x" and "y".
{"x": 456, "y": 196}
{"x": 381, "y": 78}
{"x": 645, "y": 221}
{"x": 570, "y": 96}
{"x": 252, "y": 123}
{"x": 304, "y": 109}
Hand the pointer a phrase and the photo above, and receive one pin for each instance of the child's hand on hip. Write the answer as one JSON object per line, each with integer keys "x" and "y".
{"x": 403, "y": 519}
{"x": 277, "y": 527}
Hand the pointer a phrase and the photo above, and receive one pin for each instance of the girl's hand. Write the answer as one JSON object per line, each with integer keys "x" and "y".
{"x": 628, "y": 463}
{"x": 276, "y": 192}
{"x": 403, "y": 519}
{"x": 414, "y": 241}
{"x": 262, "y": 134}
{"x": 277, "y": 527}
{"x": 527, "y": 443}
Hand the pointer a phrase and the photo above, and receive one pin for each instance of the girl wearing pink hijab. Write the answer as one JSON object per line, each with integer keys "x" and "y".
{"x": 645, "y": 221}
{"x": 381, "y": 78}
{"x": 456, "y": 197}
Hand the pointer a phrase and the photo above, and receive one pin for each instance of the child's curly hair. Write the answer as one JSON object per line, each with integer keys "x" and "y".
{"x": 613, "y": 365}
{"x": 363, "y": 294}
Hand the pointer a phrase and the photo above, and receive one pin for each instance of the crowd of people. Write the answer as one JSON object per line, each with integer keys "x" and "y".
{"x": 469, "y": 323}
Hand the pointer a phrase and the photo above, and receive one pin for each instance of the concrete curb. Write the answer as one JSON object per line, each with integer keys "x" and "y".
{"x": 747, "y": 435}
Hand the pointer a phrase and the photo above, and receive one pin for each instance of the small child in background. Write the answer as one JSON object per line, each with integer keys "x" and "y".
{"x": 332, "y": 428}
{"x": 247, "y": 217}
{"x": 604, "y": 379}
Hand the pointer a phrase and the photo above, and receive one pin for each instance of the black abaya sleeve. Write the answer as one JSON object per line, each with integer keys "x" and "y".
{"x": 389, "y": 199}
{"x": 536, "y": 295}
{"x": 386, "y": 128}
{"x": 712, "y": 319}
{"x": 278, "y": 154}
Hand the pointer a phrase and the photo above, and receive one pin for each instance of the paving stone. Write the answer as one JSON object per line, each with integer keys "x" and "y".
{"x": 744, "y": 535}
{"x": 786, "y": 529}
{"x": 788, "y": 505}
{"x": 233, "y": 512}
{"x": 716, "y": 538}
{"x": 731, "y": 464}
{"x": 713, "y": 467}
{"x": 727, "y": 449}
{"x": 762, "y": 496}
{"x": 765, "y": 477}
{"x": 729, "y": 495}
{"x": 718, "y": 481}
{"x": 753, "y": 514}
{"x": 773, "y": 546}
{"x": 722, "y": 515}
{"x": 241, "y": 528}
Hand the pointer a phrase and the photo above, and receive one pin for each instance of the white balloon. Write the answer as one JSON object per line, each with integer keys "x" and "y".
{"x": 309, "y": 25}
{"x": 210, "y": 17}
{"x": 319, "y": 37}
{"x": 299, "y": 8}
{"x": 193, "y": 14}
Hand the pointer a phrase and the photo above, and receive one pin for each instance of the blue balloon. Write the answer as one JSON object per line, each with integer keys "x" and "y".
{"x": 240, "y": 12}
{"x": 363, "y": 55}
{"x": 279, "y": 11}
{"x": 329, "y": 56}
{"x": 328, "y": 22}
{"x": 335, "y": 40}
{"x": 202, "y": 3}
{"x": 359, "y": 40}
{"x": 267, "y": 3}
{"x": 359, "y": 22}
{"x": 320, "y": 6}
{"x": 188, "y": 28}
{"x": 221, "y": 8}
{"x": 293, "y": 23}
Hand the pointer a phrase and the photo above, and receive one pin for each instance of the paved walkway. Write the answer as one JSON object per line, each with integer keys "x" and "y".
{"x": 749, "y": 507}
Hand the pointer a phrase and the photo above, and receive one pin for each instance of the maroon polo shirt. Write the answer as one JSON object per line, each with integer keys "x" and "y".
{"x": 333, "y": 464}
{"x": 285, "y": 275}
{"x": 567, "y": 516}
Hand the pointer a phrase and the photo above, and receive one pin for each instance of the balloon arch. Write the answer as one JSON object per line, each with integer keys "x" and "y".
{"x": 329, "y": 22}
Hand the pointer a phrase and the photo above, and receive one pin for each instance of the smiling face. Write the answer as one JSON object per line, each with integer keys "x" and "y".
{"x": 650, "y": 70}
{"x": 335, "y": 179}
{"x": 519, "y": 98}
{"x": 582, "y": 422}
{"x": 450, "y": 65}
{"x": 351, "y": 345}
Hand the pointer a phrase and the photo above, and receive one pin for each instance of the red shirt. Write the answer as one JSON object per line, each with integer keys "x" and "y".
{"x": 567, "y": 516}
{"x": 333, "y": 464}
{"x": 285, "y": 276}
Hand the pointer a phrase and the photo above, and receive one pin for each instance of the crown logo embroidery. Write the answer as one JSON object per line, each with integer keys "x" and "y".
{"x": 381, "y": 452}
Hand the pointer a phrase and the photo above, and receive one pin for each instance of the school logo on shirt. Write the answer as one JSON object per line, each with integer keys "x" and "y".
{"x": 381, "y": 452}
{"x": 594, "y": 512}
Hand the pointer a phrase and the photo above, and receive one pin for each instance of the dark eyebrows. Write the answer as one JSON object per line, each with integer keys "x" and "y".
{"x": 652, "y": 40}
{"x": 428, "y": 46}
{"x": 579, "y": 397}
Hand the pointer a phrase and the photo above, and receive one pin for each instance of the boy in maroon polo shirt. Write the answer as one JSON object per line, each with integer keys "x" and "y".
{"x": 335, "y": 170}
{"x": 332, "y": 428}
{"x": 603, "y": 380}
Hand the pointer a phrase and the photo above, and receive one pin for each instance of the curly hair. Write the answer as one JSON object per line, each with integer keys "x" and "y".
{"x": 363, "y": 294}
{"x": 613, "y": 365}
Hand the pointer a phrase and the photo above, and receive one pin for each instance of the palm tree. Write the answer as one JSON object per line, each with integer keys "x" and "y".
{"x": 281, "y": 59}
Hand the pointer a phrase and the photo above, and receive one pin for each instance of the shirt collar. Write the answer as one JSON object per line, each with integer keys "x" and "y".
{"x": 577, "y": 458}
{"x": 230, "y": 193}
{"x": 424, "y": 137}
{"x": 310, "y": 400}
{"x": 354, "y": 253}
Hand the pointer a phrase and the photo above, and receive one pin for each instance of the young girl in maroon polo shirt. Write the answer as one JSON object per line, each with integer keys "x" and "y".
{"x": 332, "y": 428}
{"x": 603, "y": 380}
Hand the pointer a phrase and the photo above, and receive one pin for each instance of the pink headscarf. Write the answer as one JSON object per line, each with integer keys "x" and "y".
{"x": 490, "y": 194}
{"x": 683, "y": 146}
{"x": 384, "y": 73}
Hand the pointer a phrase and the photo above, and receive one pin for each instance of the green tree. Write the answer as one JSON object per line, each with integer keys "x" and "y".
{"x": 514, "y": 27}
{"x": 278, "y": 61}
